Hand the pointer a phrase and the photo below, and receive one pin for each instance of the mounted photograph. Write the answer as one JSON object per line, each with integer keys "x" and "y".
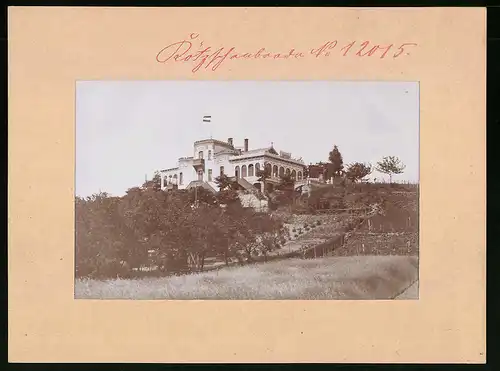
{"x": 247, "y": 190}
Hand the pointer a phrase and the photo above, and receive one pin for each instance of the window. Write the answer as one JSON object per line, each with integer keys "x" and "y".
{"x": 237, "y": 171}
{"x": 209, "y": 175}
{"x": 287, "y": 171}
{"x": 175, "y": 178}
{"x": 282, "y": 171}
{"x": 294, "y": 175}
{"x": 300, "y": 175}
{"x": 200, "y": 175}
{"x": 180, "y": 178}
{"x": 209, "y": 155}
{"x": 222, "y": 170}
{"x": 170, "y": 179}
{"x": 200, "y": 154}
{"x": 244, "y": 171}
{"x": 257, "y": 168}
{"x": 275, "y": 171}
{"x": 250, "y": 170}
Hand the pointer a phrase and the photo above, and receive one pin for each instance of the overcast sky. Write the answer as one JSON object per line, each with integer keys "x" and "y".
{"x": 125, "y": 130}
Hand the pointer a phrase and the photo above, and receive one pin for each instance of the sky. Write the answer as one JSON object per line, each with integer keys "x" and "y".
{"x": 125, "y": 130}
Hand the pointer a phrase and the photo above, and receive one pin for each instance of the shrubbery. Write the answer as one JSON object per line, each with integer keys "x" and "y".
{"x": 149, "y": 227}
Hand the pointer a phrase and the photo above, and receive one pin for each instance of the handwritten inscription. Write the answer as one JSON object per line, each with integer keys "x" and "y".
{"x": 192, "y": 50}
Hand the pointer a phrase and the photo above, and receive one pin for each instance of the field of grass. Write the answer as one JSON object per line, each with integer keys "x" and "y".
{"x": 331, "y": 278}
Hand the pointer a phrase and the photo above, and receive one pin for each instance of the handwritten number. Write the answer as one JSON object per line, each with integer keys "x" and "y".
{"x": 401, "y": 49}
{"x": 348, "y": 47}
{"x": 364, "y": 45}
{"x": 210, "y": 58}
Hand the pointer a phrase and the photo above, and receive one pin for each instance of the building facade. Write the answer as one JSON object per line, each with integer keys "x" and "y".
{"x": 212, "y": 158}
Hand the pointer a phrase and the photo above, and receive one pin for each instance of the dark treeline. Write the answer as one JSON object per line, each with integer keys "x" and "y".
{"x": 171, "y": 231}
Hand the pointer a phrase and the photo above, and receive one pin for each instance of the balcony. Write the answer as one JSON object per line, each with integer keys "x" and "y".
{"x": 199, "y": 163}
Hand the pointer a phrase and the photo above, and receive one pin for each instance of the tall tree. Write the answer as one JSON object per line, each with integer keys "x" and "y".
{"x": 154, "y": 183}
{"x": 357, "y": 171}
{"x": 390, "y": 165}
{"x": 335, "y": 158}
{"x": 264, "y": 175}
{"x": 223, "y": 182}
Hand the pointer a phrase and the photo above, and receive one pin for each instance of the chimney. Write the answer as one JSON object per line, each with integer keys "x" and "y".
{"x": 230, "y": 141}
{"x": 246, "y": 145}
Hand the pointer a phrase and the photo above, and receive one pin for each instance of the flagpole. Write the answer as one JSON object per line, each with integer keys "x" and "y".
{"x": 208, "y": 119}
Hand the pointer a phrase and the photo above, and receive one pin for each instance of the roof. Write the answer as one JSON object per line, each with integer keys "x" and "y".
{"x": 228, "y": 151}
{"x": 220, "y": 142}
{"x": 171, "y": 169}
{"x": 269, "y": 151}
{"x": 254, "y": 152}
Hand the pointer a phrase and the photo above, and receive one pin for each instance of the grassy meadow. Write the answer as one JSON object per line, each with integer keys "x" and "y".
{"x": 330, "y": 278}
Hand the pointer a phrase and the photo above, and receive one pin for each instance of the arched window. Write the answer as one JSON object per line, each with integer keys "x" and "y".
{"x": 165, "y": 180}
{"x": 275, "y": 171}
{"x": 257, "y": 168}
{"x": 300, "y": 175}
{"x": 175, "y": 179}
{"x": 200, "y": 154}
{"x": 250, "y": 170}
{"x": 209, "y": 154}
{"x": 180, "y": 178}
{"x": 200, "y": 175}
{"x": 294, "y": 175}
{"x": 222, "y": 170}
{"x": 287, "y": 171}
{"x": 170, "y": 179}
{"x": 209, "y": 175}
{"x": 237, "y": 171}
{"x": 268, "y": 168}
{"x": 244, "y": 171}
{"x": 282, "y": 171}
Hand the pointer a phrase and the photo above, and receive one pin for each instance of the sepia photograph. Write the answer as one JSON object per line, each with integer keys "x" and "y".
{"x": 247, "y": 190}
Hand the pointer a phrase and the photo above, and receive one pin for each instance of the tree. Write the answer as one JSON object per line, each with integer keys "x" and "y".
{"x": 390, "y": 165}
{"x": 153, "y": 183}
{"x": 263, "y": 175}
{"x": 286, "y": 188}
{"x": 357, "y": 171}
{"x": 202, "y": 195}
{"x": 305, "y": 172}
{"x": 272, "y": 234}
{"x": 102, "y": 240}
{"x": 223, "y": 182}
{"x": 335, "y": 157}
{"x": 286, "y": 182}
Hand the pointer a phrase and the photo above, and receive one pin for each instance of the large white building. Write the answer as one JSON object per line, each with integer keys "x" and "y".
{"x": 211, "y": 158}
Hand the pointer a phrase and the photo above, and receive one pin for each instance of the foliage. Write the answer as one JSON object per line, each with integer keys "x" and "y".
{"x": 263, "y": 175}
{"x": 357, "y": 171}
{"x": 167, "y": 231}
{"x": 223, "y": 182}
{"x": 390, "y": 165}
{"x": 335, "y": 158}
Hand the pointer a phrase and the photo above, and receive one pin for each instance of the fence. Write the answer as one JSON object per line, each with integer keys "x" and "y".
{"x": 325, "y": 248}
